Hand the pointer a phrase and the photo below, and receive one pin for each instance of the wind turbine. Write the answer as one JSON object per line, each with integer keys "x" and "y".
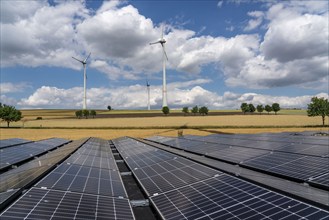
{"x": 162, "y": 41}
{"x": 148, "y": 95}
{"x": 84, "y": 63}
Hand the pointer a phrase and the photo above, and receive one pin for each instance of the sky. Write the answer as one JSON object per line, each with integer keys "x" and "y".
{"x": 220, "y": 53}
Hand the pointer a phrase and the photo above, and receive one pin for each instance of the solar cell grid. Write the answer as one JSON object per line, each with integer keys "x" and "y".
{"x": 226, "y": 197}
{"x": 53, "y": 204}
{"x": 291, "y": 165}
{"x": 93, "y": 161}
{"x": 237, "y": 154}
{"x": 76, "y": 178}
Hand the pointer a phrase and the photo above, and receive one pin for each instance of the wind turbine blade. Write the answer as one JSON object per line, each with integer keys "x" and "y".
{"x": 164, "y": 51}
{"x": 77, "y": 60}
{"x": 155, "y": 42}
{"x": 87, "y": 57}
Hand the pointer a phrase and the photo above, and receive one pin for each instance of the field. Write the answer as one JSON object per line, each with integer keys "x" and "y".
{"x": 108, "y": 125}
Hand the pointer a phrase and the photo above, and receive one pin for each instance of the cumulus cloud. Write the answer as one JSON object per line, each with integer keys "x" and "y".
{"x": 180, "y": 94}
{"x": 8, "y": 87}
{"x": 42, "y": 35}
{"x": 293, "y": 51}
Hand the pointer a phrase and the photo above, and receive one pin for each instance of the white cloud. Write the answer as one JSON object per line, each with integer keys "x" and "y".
{"x": 180, "y": 94}
{"x": 42, "y": 36}
{"x": 294, "y": 50}
{"x": 256, "y": 21}
{"x": 13, "y": 87}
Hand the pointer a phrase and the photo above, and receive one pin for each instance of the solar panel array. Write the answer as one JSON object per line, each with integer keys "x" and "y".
{"x": 12, "y": 142}
{"x": 300, "y": 158}
{"x": 19, "y": 153}
{"x": 17, "y": 179}
{"x": 183, "y": 189}
{"x": 79, "y": 188}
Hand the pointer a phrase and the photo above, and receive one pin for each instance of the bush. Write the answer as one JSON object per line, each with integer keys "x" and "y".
{"x": 195, "y": 109}
{"x": 78, "y": 114}
{"x": 203, "y": 110}
{"x": 39, "y": 118}
{"x": 165, "y": 110}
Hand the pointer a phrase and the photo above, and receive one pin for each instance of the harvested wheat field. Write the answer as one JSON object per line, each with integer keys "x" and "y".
{"x": 74, "y": 134}
{"x": 176, "y": 122}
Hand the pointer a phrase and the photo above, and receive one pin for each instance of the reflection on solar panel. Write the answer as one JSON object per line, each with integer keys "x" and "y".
{"x": 12, "y": 142}
{"x": 77, "y": 178}
{"x": 53, "y": 204}
{"x": 226, "y": 197}
{"x": 16, "y": 154}
{"x": 183, "y": 189}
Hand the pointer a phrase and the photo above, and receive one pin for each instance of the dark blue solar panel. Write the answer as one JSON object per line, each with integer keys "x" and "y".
{"x": 84, "y": 179}
{"x": 53, "y": 204}
{"x": 226, "y": 197}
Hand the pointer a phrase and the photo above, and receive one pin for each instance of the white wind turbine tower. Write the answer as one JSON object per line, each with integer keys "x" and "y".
{"x": 148, "y": 95}
{"x": 84, "y": 63}
{"x": 164, "y": 59}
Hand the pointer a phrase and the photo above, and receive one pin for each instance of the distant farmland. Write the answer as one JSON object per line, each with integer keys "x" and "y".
{"x": 62, "y": 123}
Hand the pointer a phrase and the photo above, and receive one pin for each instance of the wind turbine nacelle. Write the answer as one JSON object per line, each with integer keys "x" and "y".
{"x": 162, "y": 41}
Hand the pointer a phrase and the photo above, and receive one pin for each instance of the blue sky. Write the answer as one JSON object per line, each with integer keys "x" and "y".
{"x": 221, "y": 53}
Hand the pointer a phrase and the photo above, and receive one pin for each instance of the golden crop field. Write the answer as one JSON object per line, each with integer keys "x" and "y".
{"x": 61, "y": 123}
{"x": 179, "y": 121}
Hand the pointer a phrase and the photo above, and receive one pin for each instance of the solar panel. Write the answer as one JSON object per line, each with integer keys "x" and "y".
{"x": 54, "y": 204}
{"x": 12, "y": 142}
{"x": 93, "y": 161}
{"x": 226, "y": 197}
{"x": 237, "y": 154}
{"x": 290, "y": 165}
{"x": 171, "y": 174}
{"x": 85, "y": 179}
{"x": 16, "y": 154}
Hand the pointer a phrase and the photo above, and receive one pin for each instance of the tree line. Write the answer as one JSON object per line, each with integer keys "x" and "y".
{"x": 195, "y": 110}
{"x": 245, "y": 107}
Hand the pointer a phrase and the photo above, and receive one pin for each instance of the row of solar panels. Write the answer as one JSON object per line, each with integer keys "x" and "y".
{"x": 14, "y": 181}
{"x": 87, "y": 185}
{"x": 19, "y": 151}
{"x": 298, "y": 162}
{"x": 182, "y": 189}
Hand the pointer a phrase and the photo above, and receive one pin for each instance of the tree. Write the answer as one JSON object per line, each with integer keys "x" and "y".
{"x": 268, "y": 109}
{"x": 195, "y": 109}
{"x": 85, "y": 113}
{"x": 244, "y": 107}
{"x": 185, "y": 110}
{"x": 93, "y": 113}
{"x": 276, "y": 107}
{"x": 109, "y": 107}
{"x": 9, "y": 113}
{"x": 78, "y": 114}
{"x": 318, "y": 107}
{"x": 260, "y": 109}
{"x": 203, "y": 110}
{"x": 165, "y": 110}
{"x": 252, "y": 108}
